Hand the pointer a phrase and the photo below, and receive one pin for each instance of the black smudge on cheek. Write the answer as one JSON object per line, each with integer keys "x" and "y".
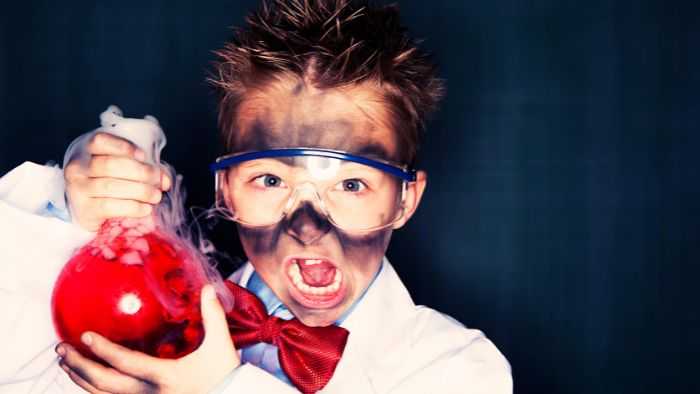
{"x": 362, "y": 248}
{"x": 261, "y": 241}
{"x": 359, "y": 248}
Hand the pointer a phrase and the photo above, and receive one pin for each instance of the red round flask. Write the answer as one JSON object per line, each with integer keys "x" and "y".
{"x": 134, "y": 285}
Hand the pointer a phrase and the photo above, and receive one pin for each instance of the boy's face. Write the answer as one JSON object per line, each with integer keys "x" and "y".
{"x": 292, "y": 114}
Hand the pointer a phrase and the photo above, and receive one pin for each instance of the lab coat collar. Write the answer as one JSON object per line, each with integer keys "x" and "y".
{"x": 386, "y": 304}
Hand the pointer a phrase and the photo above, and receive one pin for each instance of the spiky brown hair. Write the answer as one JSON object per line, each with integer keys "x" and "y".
{"x": 336, "y": 43}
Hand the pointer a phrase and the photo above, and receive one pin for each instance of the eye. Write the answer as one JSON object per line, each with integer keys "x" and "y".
{"x": 268, "y": 180}
{"x": 352, "y": 185}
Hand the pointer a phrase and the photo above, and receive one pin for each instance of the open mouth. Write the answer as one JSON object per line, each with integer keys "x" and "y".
{"x": 316, "y": 282}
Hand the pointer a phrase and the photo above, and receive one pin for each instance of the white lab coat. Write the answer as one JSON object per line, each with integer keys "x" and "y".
{"x": 33, "y": 250}
{"x": 394, "y": 346}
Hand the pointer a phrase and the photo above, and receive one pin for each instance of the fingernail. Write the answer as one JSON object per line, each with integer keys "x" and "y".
{"x": 60, "y": 350}
{"x": 86, "y": 339}
{"x": 165, "y": 181}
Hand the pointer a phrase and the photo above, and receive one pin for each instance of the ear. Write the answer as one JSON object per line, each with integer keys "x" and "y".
{"x": 414, "y": 193}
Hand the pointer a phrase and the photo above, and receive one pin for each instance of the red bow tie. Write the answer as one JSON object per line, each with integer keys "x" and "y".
{"x": 308, "y": 355}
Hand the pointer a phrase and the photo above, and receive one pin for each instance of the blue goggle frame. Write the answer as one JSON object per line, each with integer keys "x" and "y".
{"x": 403, "y": 172}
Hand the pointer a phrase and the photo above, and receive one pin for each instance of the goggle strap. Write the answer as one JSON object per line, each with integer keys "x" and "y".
{"x": 406, "y": 174}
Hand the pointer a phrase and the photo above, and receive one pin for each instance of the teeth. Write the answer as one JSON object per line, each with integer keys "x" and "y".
{"x": 336, "y": 281}
{"x": 295, "y": 273}
{"x": 298, "y": 280}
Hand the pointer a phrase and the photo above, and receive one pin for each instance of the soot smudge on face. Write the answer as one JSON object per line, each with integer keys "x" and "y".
{"x": 261, "y": 135}
{"x": 359, "y": 248}
{"x": 304, "y": 222}
{"x": 327, "y": 134}
{"x": 258, "y": 137}
{"x": 262, "y": 240}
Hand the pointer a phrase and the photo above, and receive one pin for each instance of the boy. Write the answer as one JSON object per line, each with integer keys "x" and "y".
{"x": 321, "y": 104}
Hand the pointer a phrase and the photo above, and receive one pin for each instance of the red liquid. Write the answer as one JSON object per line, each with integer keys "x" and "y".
{"x": 134, "y": 286}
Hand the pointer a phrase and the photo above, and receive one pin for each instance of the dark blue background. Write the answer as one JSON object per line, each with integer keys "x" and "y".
{"x": 562, "y": 211}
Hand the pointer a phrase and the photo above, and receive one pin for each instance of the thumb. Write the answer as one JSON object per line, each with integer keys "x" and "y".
{"x": 216, "y": 356}
{"x": 216, "y": 333}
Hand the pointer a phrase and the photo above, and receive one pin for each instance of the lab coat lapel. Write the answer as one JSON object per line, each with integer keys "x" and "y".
{"x": 375, "y": 334}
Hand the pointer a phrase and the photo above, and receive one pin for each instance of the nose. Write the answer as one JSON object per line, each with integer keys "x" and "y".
{"x": 306, "y": 224}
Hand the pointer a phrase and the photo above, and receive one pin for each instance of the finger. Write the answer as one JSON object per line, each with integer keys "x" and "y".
{"x": 124, "y": 168}
{"x": 96, "y": 375}
{"x": 125, "y": 360}
{"x": 216, "y": 332}
{"x": 123, "y": 190}
{"x": 111, "y": 207}
{"x": 74, "y": 171}
{"x": 77, "y": 379}
{"x": 109, "y": 144}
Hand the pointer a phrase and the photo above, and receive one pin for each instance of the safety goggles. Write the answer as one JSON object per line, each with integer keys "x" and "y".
{"x": 354, "y": 193}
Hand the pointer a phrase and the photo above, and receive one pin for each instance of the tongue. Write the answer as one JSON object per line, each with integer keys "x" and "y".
{"x": 317, "y": 275}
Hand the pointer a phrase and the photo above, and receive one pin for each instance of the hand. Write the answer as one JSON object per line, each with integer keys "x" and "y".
{"x": 134, "y": 372}
{"x": 112, "y": 181}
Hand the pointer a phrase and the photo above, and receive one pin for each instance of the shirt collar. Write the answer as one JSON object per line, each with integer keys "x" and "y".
{"x": 264, "y": 293}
